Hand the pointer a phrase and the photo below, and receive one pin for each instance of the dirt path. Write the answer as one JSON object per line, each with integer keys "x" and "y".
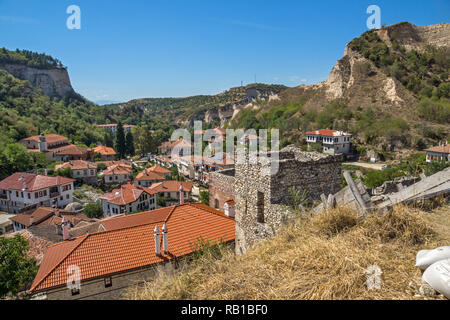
{"x": 375, "y": 166}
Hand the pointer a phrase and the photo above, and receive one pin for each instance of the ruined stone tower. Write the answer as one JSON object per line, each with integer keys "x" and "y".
{"x": 259, "y": 198}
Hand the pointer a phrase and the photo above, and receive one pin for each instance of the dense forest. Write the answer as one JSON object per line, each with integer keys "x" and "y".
{"x": 30, "y": 59}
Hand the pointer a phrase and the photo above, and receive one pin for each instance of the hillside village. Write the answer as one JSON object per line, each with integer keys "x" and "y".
{"x": 124, "y": 206}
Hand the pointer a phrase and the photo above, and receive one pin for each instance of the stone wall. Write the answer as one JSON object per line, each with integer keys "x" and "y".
{"x": 261, "y": 199}
{"x": 221, "y": 188}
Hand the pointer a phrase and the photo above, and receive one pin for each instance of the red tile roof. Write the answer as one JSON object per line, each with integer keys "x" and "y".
{"x": 136, "y": 219}
{"x": 148, "y": 175}
{"x": 329, "y": 133}
{"x": 77, "y": 165}
{"x": 32, "y": 182}
{"x": 38, "y": 246}
{"x": 440, "y": 149}
{"x": 70, "y": 150}
{"x": 120, "y": 250}
{"x": 158, "y": 169}
{"x": 171, "y": 186}
{"x": 46, "y": 216}
{"x": 37, "y": 216}
{"x": 118, "y": 169}
{"x": 126, "y": 194}
{"x": 50, "y": 138}
{"x": 105, "y": 151}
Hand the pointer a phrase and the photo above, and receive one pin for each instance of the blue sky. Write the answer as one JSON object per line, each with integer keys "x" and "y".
{"x": 136, "y": 49}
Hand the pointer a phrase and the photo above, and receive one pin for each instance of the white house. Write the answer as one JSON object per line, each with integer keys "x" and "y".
{"x": 21, "y": 192}
{"x": 118, "y": 174}
{"x": 331, "y": 141}
{"x": 128, "y": 199}
{"x": 439, "y": 153}
{"x": 81, "y": 170}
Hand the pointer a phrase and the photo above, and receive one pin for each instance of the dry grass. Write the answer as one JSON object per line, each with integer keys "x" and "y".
{"x": 319, "y": 257}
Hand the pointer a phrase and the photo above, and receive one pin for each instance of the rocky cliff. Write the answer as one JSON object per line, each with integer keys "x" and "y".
{"x": 358, "y": 81}
{"x": 54, "y": 82}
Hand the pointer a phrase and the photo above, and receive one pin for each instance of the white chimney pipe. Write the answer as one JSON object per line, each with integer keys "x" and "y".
{"x": 165, "y": 231}
{"x": 157, "y": 241}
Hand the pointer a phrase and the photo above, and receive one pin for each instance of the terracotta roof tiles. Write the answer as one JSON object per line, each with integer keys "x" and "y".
{"x": 120, "y": 250}
{"x": 32, "y": 182}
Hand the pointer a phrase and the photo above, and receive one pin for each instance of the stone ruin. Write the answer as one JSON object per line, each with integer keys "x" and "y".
{"x": 261, "y": 199}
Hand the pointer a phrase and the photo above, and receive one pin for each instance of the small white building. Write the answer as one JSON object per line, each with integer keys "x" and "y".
{"x": 128, "y": 199}
{"x": 439, "y": 153}
{"x": 331, "y": 141}
{"x": 118, "y": 174}
{"x": 81, "y": 170}
{"x": 26, "y": 191}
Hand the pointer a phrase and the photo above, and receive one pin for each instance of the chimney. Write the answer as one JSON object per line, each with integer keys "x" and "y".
{"x": 45, "y": 172}
{"x": 24, "y": 186}
{"x": 31, "y": 220}
{"x": 65, "y": 229}
{"x": 157, "y": 241}
{"x": 181, "y": 194}
{"x": 165, "y": 231}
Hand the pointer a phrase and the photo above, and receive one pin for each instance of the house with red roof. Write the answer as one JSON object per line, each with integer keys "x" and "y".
{"x": 84, "y": 171}
{"x": 46, "y": 216}
{"x": 146, "y": 178}
{"x": 332, "y": 142}
{"x": 106, "y": 153}
{"x": 179, "y": 147}
{"x": 105, "y": 264}
{"x": 57, "y": 148}
{"x": 128, "y": 199}
{"x": 118, "y": 174}
{"x": 439, "y": 153}
{"x": 171, "y": 190}
{"x": 23, "y": 192}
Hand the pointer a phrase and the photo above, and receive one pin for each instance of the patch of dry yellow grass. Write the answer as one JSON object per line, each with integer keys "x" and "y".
{"x": 319, "y": 257}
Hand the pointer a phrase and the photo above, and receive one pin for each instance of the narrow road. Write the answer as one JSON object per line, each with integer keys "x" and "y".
{"x": 375, "y": 166}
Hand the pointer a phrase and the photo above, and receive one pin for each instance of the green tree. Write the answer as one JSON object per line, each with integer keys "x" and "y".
{"x": 204, "y": 197}
{"x": 161, "y": 202}
{"x": 120, "y": 141}
{"x": 66, "y": 172}
{"x": 108, "y": 140}
{"x": 17, "y": 270}
{"x": 14, "y": 158}
{"x": 143, "y": 140}
{"x": 93, "y": 210}
{"x": 130, "y": 144}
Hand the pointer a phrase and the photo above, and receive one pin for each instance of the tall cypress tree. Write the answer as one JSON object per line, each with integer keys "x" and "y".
{"x": 108, "y": 140}
{"x": 130, "y": 144}
{"x": 120, "y": 141}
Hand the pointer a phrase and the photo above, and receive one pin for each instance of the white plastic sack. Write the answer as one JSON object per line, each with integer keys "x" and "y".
{"x": 426, "y": 258}
{"x": 438, "y": 277}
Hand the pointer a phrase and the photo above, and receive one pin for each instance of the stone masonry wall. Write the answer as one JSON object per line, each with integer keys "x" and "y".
{"x": 221, "y": 187}
{"x": 260, "y": 199}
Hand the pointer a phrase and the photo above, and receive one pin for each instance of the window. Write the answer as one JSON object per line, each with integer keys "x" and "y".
{"x": 260, "y": 207}
{"x": 108, "y": 282}
{"x": 216, "y": 203}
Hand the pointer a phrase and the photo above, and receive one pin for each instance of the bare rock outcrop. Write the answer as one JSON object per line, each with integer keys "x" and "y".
{"x": 53, "y": 82}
